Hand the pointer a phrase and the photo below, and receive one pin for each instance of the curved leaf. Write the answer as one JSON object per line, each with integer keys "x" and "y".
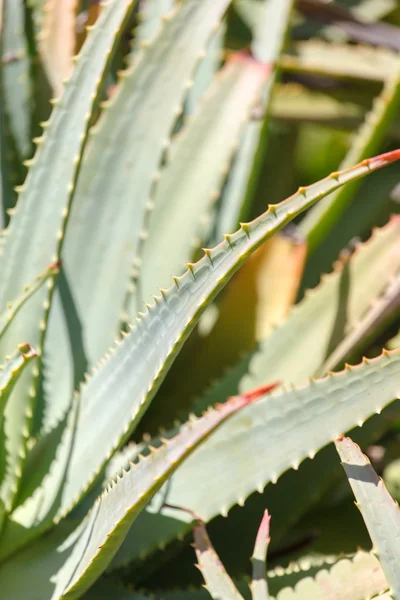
{"x": 11, "y": 370}
{"x": 257, "y": 446}
{"x": 109, "y": 520}
{"x": 138, "y": 125}
{"x": 380, "y": 512}
{"x": 259, "y": 586}
{"x": 190, "y": 183}
{"x": 34, "y": 237}
{"x": 218, "y": 583}
{"x": 133, "y": 371}
{"x": 357, "y": 578}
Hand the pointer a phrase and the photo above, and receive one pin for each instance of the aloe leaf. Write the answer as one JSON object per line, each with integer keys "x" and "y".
{"x": 9, "y": 375}
{"x": 34, "y": 236}
{"x": 259, "y": 587}
{"x": 383, "y": 312}
{"x": 380, "y": 512}
{"x": 12, "y": 369}
{"x": 262, "y": 292}
{"x": 15, "y": 74}
{"x": 279, "y": 432}
{"x": 138, "y": 126}
{"x": 356, "y": 578}
{"x": 189, "y": 185}
{"x": 340, "y": 60}
{"x": 322, "y": 219}
{"x": 57, "y": 40}
{"x": 293, "y": 102}
{"x": 218, "y": 582}
{"x": 299, "y": 347}
{"x": 270, "y": 27}
{"x": 176, "y": 311}
{"x": 14, "y": 307}
{"x": 150, "y": 18}
{"x": 206, "y": 71}
{"x": 112, "y": 515}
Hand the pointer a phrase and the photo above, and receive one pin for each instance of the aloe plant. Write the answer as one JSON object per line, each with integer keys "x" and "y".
{"x": 133, "y": 404}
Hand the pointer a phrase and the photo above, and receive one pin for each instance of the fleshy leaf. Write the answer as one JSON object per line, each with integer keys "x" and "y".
{"x": 279, "y": 432}
{"x": 172, "y": 316}
{"x": 34, "y": 236}
{"x": 12, "y": 309}
{"x": 218, "y": 582}
{"x": 380, "y": 512}
{"x": 356, "y": 578}
{"x": 189, "y": 185}
{"x": 134, "y": 370}
{"x": 381, "y": 314}
{"x": 109, "y": 520}
{"x": 259, "y": 586}
{"x": 139, "y": 126}
{"x": 11, "y": 370}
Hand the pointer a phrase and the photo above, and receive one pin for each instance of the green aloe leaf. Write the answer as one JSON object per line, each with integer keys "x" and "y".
{"x": 290, "y": 353}
{"x": 89, "y": 549}
{"x": 9, "y": 375}
{"x": 259, "y": 586}
{"x": 355, "y": 578}
{"x": 380, "y": 512}
{"x": 11, "y": 371}
{"x": 218, "y": 583}
{"x": 340, "y": 61}
{"x": 34, "y": 237}
{"x": 126, "y": 372}
{"x": 15, "y": 75}
{"x": 381, "y": 314}
{"x": 189, "y": 185}
{"x": 176, "y": 311}
{"x": 139, "y": 126}
{"x": 14, "y": 307}
{"x": 279, "y": 432}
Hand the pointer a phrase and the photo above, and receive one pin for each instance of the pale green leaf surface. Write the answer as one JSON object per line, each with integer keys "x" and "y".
{"x": 119, "y": 171}
{"x": 11, "y": 370}
{"x": 217, "y": 581}
{"x": 259, "y": 586}
{"x": 150, "y": 17}
{"x": 134, "y": 370}
{"x": 199, "y": 159}
{"x": 61, "y": 557}
{"x": 356, "y": 578}
{"x": 16, "y": 83}
{"x": 380, "y": 512}
{"x": 206, "y": 70}
{"x": 7, "y": 316}
{"x": 35, "y": 233}
{"x": 290, "y": 353}
{"x": 112, "y": 515}
{"x": 279, "y": 432}
{"x": 340, "y": 60}
{"x": 126, "y": 373}
{"x": 381, "y": 314}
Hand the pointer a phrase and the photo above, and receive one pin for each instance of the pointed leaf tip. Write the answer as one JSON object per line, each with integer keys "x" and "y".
{"x": 381, "y": 160}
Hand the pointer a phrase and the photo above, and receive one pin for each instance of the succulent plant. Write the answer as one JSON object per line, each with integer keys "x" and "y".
{"x": 172, "y": 128}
